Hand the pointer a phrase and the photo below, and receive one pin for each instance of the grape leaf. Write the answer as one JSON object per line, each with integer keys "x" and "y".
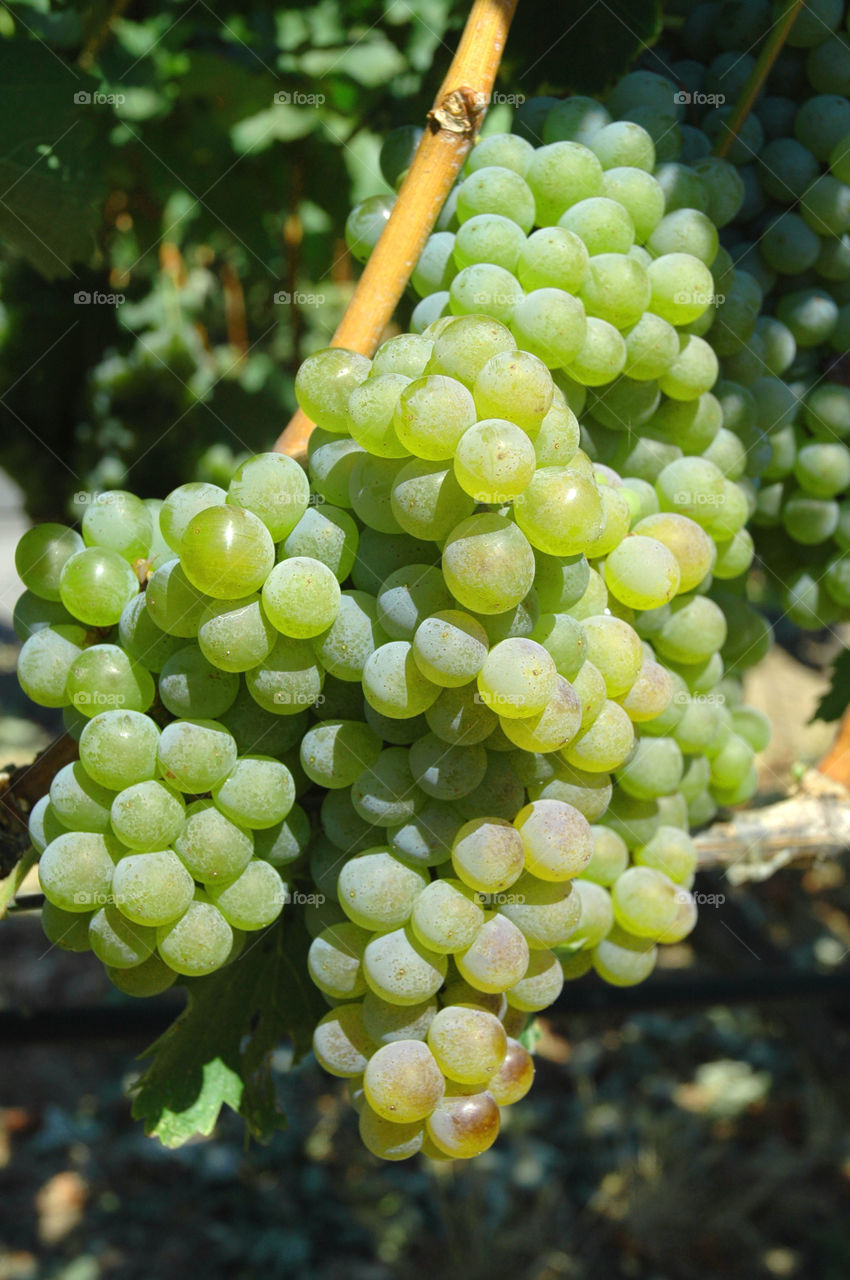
{"x": 836, "y": 700}
{"x": 217, "y": 1052}
{"x": 50, "y": 185}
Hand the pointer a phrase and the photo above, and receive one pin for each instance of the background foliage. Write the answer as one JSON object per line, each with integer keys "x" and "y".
{"x": 199, "y": 164}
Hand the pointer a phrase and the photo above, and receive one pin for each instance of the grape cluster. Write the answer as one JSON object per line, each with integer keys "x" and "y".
{"x": 784, "y": 370}
{"x": 492, "y": 638}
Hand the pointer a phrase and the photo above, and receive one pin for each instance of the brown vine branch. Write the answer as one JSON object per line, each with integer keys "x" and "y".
{"x": 20, "y": 787}
{"x": 811, "y": 825}
{"x": 755, "y": 82}
{"x": 452, "y": 125}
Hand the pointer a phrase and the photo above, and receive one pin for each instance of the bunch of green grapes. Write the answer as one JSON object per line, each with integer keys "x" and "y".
{"x": 785, "y": 369}
{"x": 495, "y": 630}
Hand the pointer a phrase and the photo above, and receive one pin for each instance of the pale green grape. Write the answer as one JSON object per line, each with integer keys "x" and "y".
{"x": 446, "y": 772}
{"x": 174, "y": 604}
{"x": 496, "y": 189}
{"x": 182, "y": 505}
{"x": 546, "y": 911}
{"x": 551, "y": 325}
{"x": 152, "y": 888}
{"x": 140, "y": 637}
{"x": 494, "y": 460}
{"x": 335, "y": 752}
{"x": 682, "y": 287}
{"x": 68, "y": 930}
{"x": 589, "y": 793}
{"x": 199, "y": 942}
{"x": 432, "y": 414}
{"x": 623, "y": 960}
{"x": 323, "y": 384}
{"x": 515, "y": 385}
{"x": 606, "y": 744}
{"x": 384, "y": 793}
{"x": 334, "y": 961}
{"x": 518, "y": 678}
{"x": 193, "y": 755}
{"x": 556, "y": 839}
{"x": 553, "y": 257}
{"x": 118, "y": 521}
{"x": 117, "y": 942}
{"x": 617, "y": 290}
{"x": 644, "y": 901}
{"x": 119, "y": 748}
{"x": 602, "y": 356}
{"x": 446, "y": 916}
{"x": 40, "y": 556}
{"x": 377, "y": 891}
{"x": 258, "y": 792}
{"x": 150, "y": 978}
{"x": 487, "y": 854}
{"x": 610, "y": 856}
{"x": 638, "y": 192}
{"x": 426, "y": 838}
{"x": 76, "y": 870}
{"x": 253, "y": 900}
{"x": 403, "y": 1082}
{"x": 147, "y": 815}
{"x": 469, "y": 1045}
{"x": 497, "y": 958}
{"x": 650, "y": 695}
{"x": 226, "y": 552}
{"x": 393, "y": 683}
{"x": 560, "y": 511}
{"x": 341, "y": 1043}
{"x": 642, "y": 572}
{"x": 427, "y": 501}
{"x": 450, "y": 647}
{"x": 615, "y": 650}
{"x": 95, "y": 585}
{"x": 45, "y": 661}
{"x": 400, "y": 970}
{"x": 301, "y": 597}
{"x": 288, "y": 680}
{"x": 77, "y": 801}
{"x": 488, "y": 564}
{"x": 560, "y": 175}
{"x": 671, "y": 851}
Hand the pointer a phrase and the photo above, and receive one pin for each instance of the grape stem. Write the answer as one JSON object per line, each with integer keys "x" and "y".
{"x": 451, "y": 128}
{"x": 755, "y": 82}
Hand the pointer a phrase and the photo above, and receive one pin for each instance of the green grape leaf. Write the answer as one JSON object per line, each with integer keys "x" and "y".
{"x": 836, "y": 700}
{"x": 50, "y": 185}
{"x": 579, "y": 47}
{"x": 217, "y": 1052}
